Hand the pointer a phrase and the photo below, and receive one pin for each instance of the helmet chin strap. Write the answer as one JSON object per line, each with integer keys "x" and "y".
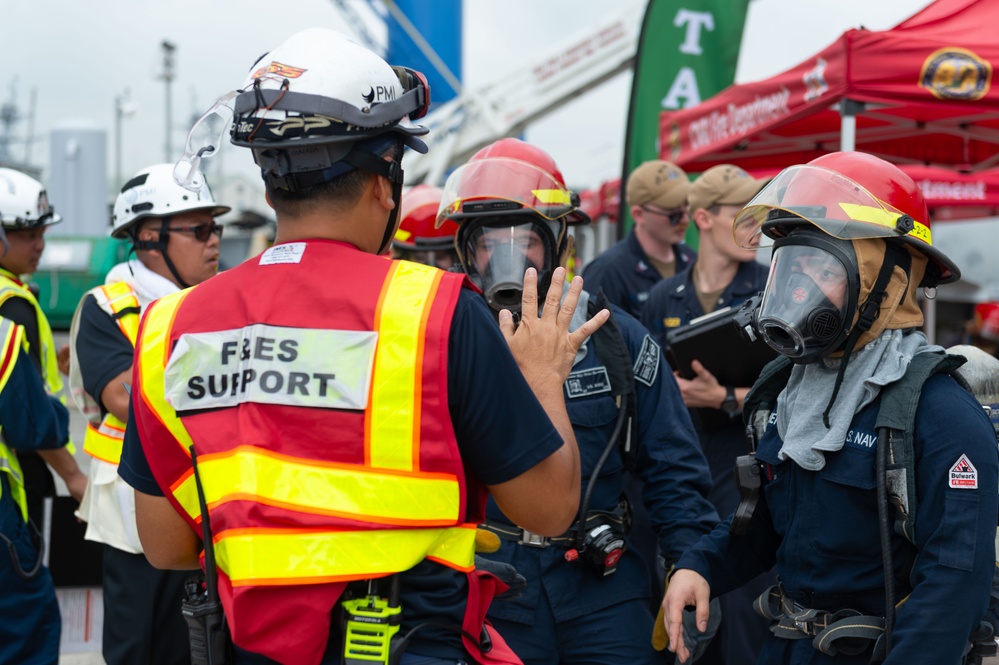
{"x": 870, "y": 311}
{"x": 160, "y": 245}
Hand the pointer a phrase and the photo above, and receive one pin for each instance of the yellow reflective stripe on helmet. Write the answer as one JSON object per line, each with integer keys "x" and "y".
{"x": 248, "y": 473}
{"x": 885, "y": 218}
{"x": 550, "y": 196}
{"x": 155, "y": 351}
{"x": 120, "y": 296}
{"x": 104, "y": 441}
{"x": 402, "y": 235}
{"x": 392, "y": 420}
{"x": 268, "y": 557}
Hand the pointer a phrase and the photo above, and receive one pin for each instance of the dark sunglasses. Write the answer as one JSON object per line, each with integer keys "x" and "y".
{"x": 202, "y": 232}
{"x": 674, "y": 216}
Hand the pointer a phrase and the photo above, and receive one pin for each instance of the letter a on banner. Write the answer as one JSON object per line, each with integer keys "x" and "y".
{"x": 687, "y": 52}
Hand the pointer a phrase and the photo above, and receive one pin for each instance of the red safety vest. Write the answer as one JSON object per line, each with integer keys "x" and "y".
{"x": 313, "y": 384}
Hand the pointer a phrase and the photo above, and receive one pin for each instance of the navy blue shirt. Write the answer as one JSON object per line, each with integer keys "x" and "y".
{"x": 668, "y": 462}
{"x": 31, "y": 420}
{"x": 821, "y": 530}
{"x": 102, "y": 350}
{"x": 502, "y": 431}
{"x": 674, "y": 303}
{"x": 625, "y": 274}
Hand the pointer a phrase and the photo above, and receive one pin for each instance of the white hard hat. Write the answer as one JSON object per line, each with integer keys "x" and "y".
{"x": 152, "y": 192}
{"x": 312, "y": 106}
{"x": 23, "y": 202}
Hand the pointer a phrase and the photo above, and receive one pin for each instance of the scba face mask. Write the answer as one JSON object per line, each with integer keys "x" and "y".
{"x": 810, "y": 299}
{"x": 497, "y": 252}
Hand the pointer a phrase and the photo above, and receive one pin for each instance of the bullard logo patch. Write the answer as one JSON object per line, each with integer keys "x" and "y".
{"x": 956, "y": 73}
{"x": 963, "y": 475}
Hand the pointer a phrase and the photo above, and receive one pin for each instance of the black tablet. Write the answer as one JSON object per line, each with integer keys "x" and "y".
{"x": 715, "y": 340}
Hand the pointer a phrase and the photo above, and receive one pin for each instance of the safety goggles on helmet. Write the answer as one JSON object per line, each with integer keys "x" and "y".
{"x": 203, "y": 142}
{"x": 810, "y": 298}
{"x": 499, "y": 185}
{"x": 496, "y": 252}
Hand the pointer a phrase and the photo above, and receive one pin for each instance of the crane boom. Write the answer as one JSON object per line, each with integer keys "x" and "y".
{"x": 477, "y": 117}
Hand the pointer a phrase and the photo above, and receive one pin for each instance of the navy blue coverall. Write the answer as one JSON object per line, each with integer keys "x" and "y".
{"x": 821, "y": 529}
{"x": 567, "y": 613}
{"x": 626, "y": 275}
{"x": 30, "y": 624}
{"x": 674, "y": 303}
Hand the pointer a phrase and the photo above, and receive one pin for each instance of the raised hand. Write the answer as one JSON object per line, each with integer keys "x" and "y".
{"x": 542, "y": 344}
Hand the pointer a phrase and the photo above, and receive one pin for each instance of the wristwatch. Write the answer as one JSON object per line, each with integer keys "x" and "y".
{"x": 730, "y": 405}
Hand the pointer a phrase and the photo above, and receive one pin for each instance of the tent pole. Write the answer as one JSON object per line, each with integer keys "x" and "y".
{"x": 848, "y": 110}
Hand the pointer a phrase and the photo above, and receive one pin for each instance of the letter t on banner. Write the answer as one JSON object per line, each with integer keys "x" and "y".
{"x": 688, "y": 51}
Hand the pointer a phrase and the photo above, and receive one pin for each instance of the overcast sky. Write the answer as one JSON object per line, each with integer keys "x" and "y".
{"x": 79, "y": 56}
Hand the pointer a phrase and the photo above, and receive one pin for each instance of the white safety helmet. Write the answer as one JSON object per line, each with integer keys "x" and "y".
{"x": 23, "y": 202}
{"x": 152, "y": 192}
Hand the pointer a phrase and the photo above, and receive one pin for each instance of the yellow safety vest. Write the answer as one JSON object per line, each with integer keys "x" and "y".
{"x": 408, "y": 515}
{"x": 103, "y": 441}
{"x": 11, "y": 343}
{"x": 12, "y": 287}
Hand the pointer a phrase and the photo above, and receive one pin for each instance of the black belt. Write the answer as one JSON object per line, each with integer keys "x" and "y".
{"x": 530, "y": 539}
{"x": 845, "y": 632}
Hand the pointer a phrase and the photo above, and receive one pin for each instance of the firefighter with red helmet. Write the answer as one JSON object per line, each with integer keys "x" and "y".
{"x": 419, "y": 238}
{"x": 587, "y": 595}
{"x": 326, "y": 402}
{"x": 874, "y": 483}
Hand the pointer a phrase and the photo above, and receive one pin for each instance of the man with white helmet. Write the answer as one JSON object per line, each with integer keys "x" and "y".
{"x": 176, "y": 242}
{"x": 25, "y": 215}
{"x": 333, "y": 398}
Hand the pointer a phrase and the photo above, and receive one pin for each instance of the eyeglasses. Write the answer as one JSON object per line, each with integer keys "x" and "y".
{"x": 674, "y": 216}
{"x": 202, "y": 232}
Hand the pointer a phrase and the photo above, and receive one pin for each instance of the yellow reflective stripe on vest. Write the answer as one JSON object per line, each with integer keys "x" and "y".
{"x": 104, "y": 441}
{"x": 280, "y": 557}
{"x": 10, "y": 466}
{"x": 50, "y": 366}
{"x": 118, "y": 297}
{"x": 152, "y": 363}
{"x": 248, "y": 473}
{"x": 11, "y": 342}
{"x": 392, "y": 421}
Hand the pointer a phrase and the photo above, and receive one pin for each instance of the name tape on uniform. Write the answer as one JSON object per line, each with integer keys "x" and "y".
{"x": 271, "y": 365}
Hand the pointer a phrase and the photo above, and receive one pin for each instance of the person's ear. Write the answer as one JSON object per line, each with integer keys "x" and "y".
{"x": 383, "y": 192}
{"x": 702, "y": 219}
{"x": 636, "y": 214}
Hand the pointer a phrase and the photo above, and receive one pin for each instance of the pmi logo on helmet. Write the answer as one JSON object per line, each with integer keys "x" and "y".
{"x": 956, "y": 73}
{"x": 278, "y": 69}
{"x": 379, "y": 93}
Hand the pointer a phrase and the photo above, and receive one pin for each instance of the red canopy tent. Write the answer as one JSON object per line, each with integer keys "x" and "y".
{"x": 920, "y": 93}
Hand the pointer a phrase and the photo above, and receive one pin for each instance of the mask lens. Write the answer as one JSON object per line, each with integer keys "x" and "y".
{"x": 803, "y": 312}
{"x": 497, "y": 256}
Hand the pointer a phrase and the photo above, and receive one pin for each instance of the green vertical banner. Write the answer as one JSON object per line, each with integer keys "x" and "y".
{"x": 688, "y": 51}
